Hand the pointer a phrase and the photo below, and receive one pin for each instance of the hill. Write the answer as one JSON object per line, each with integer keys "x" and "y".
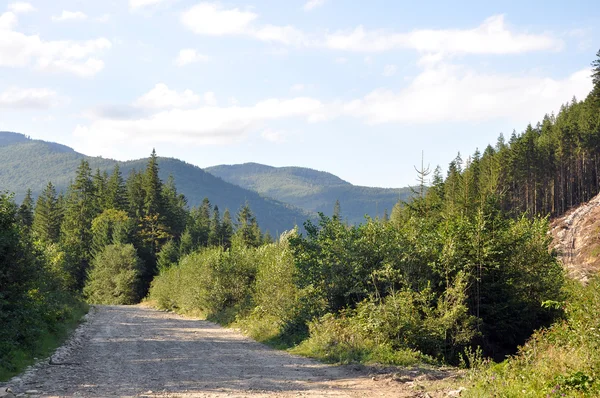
{"x": 312, "y": 190}
{"x": 31, "y": 164}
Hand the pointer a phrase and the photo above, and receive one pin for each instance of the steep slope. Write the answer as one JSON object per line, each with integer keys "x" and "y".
{"x": 312, "y": 190}
{"x": 577, "y": 239}
{"x": 32, "y": 163}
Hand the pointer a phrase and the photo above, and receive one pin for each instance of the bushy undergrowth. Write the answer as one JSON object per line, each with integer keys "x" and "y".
{"x": 561, "y": 361}
{"x": 35, "y": 310}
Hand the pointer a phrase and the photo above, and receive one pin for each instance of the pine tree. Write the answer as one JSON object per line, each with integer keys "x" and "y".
{"x": 116, "y": 191}
{"x": 337, "y": 209}
{"x": 80, "y": 210}
{"x": 25, "y": 213}
{"x": 152, "y": 188}
{"x": 135, "y": 194}
{"x": 247, "y": 231}
{"x": 46, "y": 216}
{"x": 214, "y": 235}
{"x": 175, "y": 208}
{"x": 595, "y": 93}
{"x": 100, "y": 181}
{"x": 226, "y": 229}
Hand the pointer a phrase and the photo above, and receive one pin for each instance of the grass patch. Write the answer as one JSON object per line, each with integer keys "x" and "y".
{"x": 49, "y": 340}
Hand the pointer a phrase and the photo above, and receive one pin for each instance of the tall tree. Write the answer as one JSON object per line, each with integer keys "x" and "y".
{"x": 46, "y": 216}
{"x": 214, "y": 234}
{"x": 247, "y": 230}
{"x": 25, "y": 213}
{"x": 80, "y": 210}
{"x": 116, "y": 191}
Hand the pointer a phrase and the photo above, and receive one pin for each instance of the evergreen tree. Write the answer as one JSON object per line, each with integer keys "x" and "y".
{"x": 153, "y": 204}
{"x": 595, "y": 93}
{"x": 175, "y": 208}
{"x": 226, "y": 229}
{"x": 337, "y": 209}
{"x": 214, "y": 235}
{"x": 116, "y": 191}
{"x": 247, "y": 230}
{"x": 46, "y": 216}
{"x": 135, "y": 195}
{"x": 25, "y": 213}
{"x": 100, "y": 181}
{"x": 80, "y": 210}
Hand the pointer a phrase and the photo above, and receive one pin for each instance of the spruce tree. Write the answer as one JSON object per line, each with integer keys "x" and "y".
{"x": 25, "y": 213}
{"x": 595, "y": 94}
{"x": 116, "y": 191}
{"x": 80, "y": 210}
{"x": 152, "y": 188}
{"x": 247, "y": 230}
{"x": 46, "y": 216}
{"x": 214, "y": 235}
{"x": 226, "y": 229}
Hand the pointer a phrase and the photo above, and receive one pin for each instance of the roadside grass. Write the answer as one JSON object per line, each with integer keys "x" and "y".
{"x": 561, "y": 361}
{"x": 50, "y": 338}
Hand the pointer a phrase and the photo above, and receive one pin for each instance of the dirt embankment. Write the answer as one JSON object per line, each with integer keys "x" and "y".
{"x": 577, "y": 239}
{"x": 137, "y": 351}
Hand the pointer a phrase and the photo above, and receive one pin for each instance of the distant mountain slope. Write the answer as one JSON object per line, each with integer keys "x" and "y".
{"x": 312, "y": 190}
{"x": 32, "y": 163}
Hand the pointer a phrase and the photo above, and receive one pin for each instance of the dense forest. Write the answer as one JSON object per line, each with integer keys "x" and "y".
{"x": 462, "y": 273}
{"x": 103, "y": 240}
{"x": 30, "y": 164}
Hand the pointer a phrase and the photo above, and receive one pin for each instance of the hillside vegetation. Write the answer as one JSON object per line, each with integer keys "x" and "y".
{"x": 31, "y": 164}
{"x": 313, "y": 190}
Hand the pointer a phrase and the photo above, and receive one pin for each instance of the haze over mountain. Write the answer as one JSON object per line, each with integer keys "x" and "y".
{"x": 312, "y": 190}
{"x": 32, "y": 163}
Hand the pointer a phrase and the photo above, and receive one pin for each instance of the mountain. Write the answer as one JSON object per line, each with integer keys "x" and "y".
{"x": 312, "y": 190}
{"x": 28, "y": 163}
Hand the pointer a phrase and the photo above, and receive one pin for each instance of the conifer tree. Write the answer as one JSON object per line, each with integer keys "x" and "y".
{"x": 214, "y": 235}
{"x": 247, "y": 230}
{"x": 46, "y": 216}
{"x": 116, "y": 191}
{"x": 135, "y": 194}
{"x": 226, "y": 229}
{"x": 25, "y": 213}
{"x": 337, "y": 209}
{"x": 80, "y": 210}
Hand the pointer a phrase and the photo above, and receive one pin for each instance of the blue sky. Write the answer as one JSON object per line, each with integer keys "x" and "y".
{"x": 355, "y": 88}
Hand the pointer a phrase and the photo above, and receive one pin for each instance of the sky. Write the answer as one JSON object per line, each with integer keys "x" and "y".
{"x": 365, "y": 90}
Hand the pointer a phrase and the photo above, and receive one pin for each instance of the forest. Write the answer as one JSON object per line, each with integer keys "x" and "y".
{"x": 461, "y": 274}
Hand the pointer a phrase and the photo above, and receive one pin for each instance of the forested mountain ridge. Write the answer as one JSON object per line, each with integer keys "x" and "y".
{"x": 31, "y": 164}
{"x": 313, "y": 190}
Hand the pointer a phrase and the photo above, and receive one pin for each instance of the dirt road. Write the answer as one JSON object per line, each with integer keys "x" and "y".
{"x": 137, "y": 351}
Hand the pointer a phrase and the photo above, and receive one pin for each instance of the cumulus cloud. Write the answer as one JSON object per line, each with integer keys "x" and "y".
{"x": 450, "y": 93}
{"x": 21, "y": 7}
{"x": 312, "y": 4}
{"x": 161, "y": 97}
{"x": 491, "y": 37}
{"x": 189, "y": 56}
{"x": 212, "y": 20}
{"x": 69, "y": 56}
{"x": 70, "y": 16}
{"x": 28, "y": 98}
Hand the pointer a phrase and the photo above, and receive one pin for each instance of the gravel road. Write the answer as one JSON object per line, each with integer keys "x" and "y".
{"x": 138, "y": 351}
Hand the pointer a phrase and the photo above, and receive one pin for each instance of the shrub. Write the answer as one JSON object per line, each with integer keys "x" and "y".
{"x": 114, "y": 276}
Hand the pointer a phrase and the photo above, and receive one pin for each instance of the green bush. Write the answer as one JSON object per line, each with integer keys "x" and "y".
{"x": 114, "y": 277}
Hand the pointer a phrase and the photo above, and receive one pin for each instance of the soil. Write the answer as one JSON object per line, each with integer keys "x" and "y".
{"x": 577, "y": 240}
{"x": 139, "y": 351}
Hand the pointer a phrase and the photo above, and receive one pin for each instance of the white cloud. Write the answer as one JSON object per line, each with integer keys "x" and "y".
{"x": 390, "y": 70}
{"x": 28, "y": 98}
{"x": 190, "y": 56}
{"x": 137, "y": 4}
{"x": 70, "y": 16}
{"x": 76, "y": 57}
{"x": 161, "y": 97}
{"x": 210, "y": 99}
{"x": 205, "y": 124}
{"x": 211, "y": 19}
{"x": 491, "y": 37}
{"x": 449, "y": 93}
{"x": 21, "y": 7}
{"x": 297, "y": 87}
{"x": 312, "y": 4}
{"x": 272, "y": 136}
